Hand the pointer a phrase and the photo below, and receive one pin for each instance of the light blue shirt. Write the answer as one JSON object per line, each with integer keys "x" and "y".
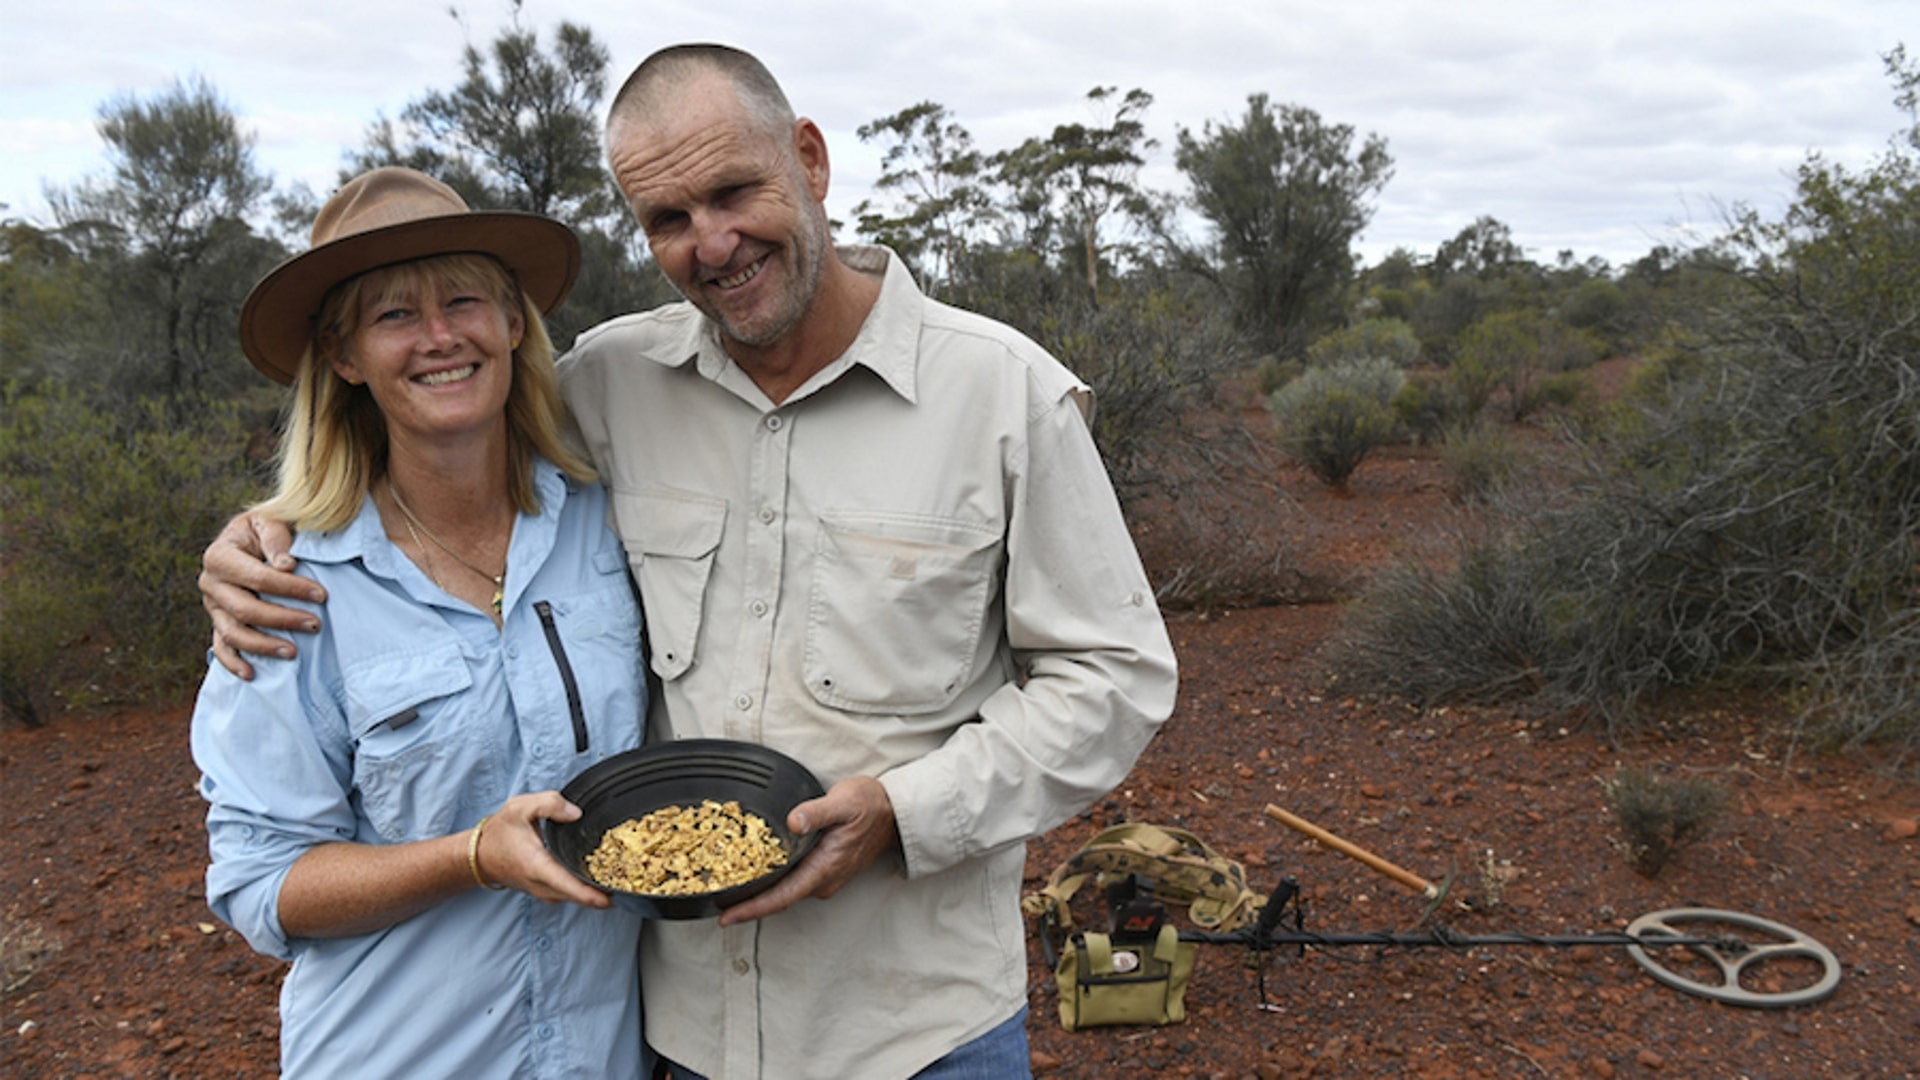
{"x": 407, "y": 717}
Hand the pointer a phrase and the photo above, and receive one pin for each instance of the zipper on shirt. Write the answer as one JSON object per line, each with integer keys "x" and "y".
{"x": 566, "y": 674}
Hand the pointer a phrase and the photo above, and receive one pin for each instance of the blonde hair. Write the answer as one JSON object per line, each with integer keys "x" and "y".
{"x": 335, "y": 444}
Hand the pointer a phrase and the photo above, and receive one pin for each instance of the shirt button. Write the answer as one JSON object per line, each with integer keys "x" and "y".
{"x": 767, "y": 515}
{"x": 543, "y": 943}
{"x": 741, "y": 967}
{"x": 538, "y": 750}
{"x": 773, "y": 423}
{"x": 545, "y": 1031}
{"x": 743, "y": 702}
{"x": 758, "y": 607}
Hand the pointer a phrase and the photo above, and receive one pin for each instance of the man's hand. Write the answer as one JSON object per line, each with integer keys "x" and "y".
{"x": 250, "y": 557}
{"x": 856, "y": 826}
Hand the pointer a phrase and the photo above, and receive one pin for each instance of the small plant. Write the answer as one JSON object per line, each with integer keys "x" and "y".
{"x": 1330, "y": 418}
{"x": 24, "y": 946}
{"x": 1426, "y": 406}
{"x": 1274, "y": 373}
{"x": 1494, "y": 877}
{"x": 1481, "y": 459}
{"x": 1659, "y": 815}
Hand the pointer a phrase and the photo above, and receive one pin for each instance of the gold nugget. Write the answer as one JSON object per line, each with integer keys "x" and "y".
{"x": 684, "y": 851}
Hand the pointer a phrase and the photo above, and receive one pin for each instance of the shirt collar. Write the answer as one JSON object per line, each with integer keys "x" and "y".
{"x": 365, "y": 538}
{"x": 887, "y": 343}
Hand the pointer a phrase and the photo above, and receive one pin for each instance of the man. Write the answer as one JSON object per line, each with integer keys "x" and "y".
{"x": 870, "y": 531}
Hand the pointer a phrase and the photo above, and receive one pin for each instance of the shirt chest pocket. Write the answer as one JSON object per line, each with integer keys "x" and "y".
{"x": 896, "y": 610}
{"x": 671, "y": 538}
{"x": 422, "y": 762}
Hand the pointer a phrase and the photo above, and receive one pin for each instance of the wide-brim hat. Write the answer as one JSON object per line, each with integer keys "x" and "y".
{"x": 394, "y": 215}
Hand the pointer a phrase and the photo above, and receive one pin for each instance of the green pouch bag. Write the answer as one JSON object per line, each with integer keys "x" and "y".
{"x": 1129, "y": 982}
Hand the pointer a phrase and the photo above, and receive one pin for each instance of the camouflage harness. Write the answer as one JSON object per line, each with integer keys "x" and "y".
{"x": 1182, "y": 868}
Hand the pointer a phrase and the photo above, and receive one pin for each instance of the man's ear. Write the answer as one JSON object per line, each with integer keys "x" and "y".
{"x": 810, "y": 150}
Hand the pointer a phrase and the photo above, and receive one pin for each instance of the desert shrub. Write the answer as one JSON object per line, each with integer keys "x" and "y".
{"x": 1393, "y": 303}
{"x": 1660, "y": 815}
{"x": 1471, "y": 382}
{"x": 1468, "y": 624}
{"x": 1223, "y": 552}
{"x": 1153, "y": 352}
{"x": 1504, "y": 350}
{"x": 1482, "y": 459}
{"x": 1376, "y": 339}
{"x": 1567, "y": 391}
{"x": 1331, "y": 418}
{"x": 1426, "y": 406}
{"x": 1274, "y": 373}
{"x": 1601, "y": 307}
{"x": 106, "y": 515}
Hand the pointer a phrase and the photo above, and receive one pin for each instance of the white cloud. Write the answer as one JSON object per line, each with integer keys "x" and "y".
{"x": 1594, "y": 127}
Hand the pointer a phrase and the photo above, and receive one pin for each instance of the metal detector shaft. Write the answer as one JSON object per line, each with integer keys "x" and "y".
{"x": 1438, "y": 938}
{"x": 1405, "y": 877}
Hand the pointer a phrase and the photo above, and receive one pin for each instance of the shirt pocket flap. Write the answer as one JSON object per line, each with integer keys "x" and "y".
{"x": 391, "y": 689}
{"x": 670, "y": 524}
{"x": 671, "y": 538}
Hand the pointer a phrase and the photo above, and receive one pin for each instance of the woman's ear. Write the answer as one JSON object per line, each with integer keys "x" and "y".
{"x": 342, "y": 364}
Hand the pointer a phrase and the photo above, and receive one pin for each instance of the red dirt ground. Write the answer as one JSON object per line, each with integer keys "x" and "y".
{"x": 131, "y": 977}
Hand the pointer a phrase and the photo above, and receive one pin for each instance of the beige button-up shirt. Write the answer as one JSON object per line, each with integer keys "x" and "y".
{"x": 914, "y": 568}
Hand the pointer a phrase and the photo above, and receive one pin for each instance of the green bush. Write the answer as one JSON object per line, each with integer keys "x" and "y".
{"x": 1658, "y": 815}
{"x": 1568, "y": 391}
{"x": 1274, "y": 373}
{"x": 1426, "y": 406}
{"x": 1482, "y": 459}
{"x": 106, "y": 515}
{"x": 1330, "y": 418}
{"x": 1376, "y": 339}
{"x": 1602, "y": 307}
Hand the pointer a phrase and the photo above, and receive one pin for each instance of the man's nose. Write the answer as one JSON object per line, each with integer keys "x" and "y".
{"x": 715, "y": 237}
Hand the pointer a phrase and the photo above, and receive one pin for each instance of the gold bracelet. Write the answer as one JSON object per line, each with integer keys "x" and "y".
{"x": 473, "y": 855}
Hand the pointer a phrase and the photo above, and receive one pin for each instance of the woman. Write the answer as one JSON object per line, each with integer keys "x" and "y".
{"x": 373, "y": 803}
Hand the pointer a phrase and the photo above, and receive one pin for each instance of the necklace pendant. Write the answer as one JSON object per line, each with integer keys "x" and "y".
{"x": 499, "y": 596}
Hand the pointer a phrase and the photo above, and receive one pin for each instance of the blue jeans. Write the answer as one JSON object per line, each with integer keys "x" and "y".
{"x": 1000, "y": 1054}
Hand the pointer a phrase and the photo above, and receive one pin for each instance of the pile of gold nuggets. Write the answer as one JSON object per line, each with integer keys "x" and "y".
{"x": 685, "y": 851}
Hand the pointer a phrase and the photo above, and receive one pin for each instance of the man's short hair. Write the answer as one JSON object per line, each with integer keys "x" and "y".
{"x": 643, "y": 92}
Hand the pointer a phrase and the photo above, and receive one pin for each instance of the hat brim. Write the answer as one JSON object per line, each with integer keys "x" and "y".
{"x": 277, "y": 320}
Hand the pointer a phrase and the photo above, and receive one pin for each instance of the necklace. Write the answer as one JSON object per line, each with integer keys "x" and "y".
{"x": 499, "y": 580}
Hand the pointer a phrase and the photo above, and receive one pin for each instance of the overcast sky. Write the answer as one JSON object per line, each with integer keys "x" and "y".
{"x": 1600, "y": 128}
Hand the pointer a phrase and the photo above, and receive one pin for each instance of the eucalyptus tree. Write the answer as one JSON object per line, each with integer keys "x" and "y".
{"x": 1286, "y": 193}
{"x": 930, "y": 166}
{"x": 1083, "y": 175}
{"x": 168, "y": 223}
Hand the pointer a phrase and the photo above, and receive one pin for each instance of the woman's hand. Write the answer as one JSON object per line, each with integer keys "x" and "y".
{"x": 512, "y": 854}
